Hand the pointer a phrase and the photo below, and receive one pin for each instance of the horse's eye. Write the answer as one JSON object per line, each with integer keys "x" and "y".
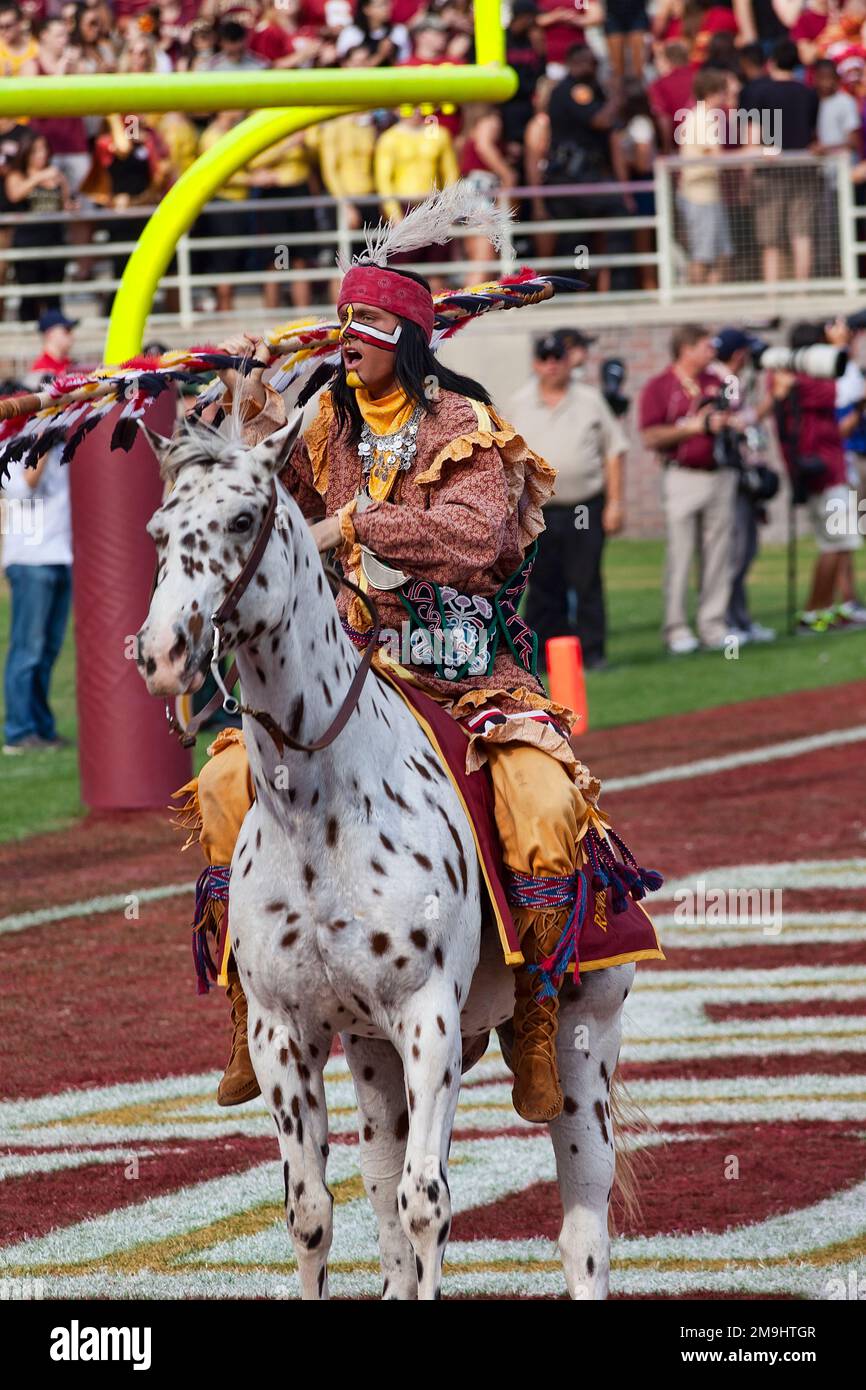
{"x": 242, "y": 522}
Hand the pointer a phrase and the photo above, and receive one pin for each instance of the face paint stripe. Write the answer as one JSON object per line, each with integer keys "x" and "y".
{"x": 368, "y": 333}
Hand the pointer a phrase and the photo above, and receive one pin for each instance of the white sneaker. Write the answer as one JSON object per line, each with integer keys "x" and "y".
{"x": 759, "y": 633}
{"x": 683, "y": 645}
{"x": 854, "y": 612}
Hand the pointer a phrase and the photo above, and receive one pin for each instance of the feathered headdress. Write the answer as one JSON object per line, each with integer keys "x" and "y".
{"x": 458, "y": 206}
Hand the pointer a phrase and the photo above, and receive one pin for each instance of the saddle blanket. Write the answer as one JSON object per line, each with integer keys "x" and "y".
{"x": 607, "y": 937}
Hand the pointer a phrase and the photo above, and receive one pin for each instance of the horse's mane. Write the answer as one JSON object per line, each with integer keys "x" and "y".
{"x": 198, "y": 441}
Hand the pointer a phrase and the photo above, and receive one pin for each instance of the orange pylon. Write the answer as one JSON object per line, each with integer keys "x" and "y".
{"x": 567, "y": 684}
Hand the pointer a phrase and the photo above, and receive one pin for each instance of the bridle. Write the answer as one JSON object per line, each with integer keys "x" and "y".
{"x": 226, "y": 610}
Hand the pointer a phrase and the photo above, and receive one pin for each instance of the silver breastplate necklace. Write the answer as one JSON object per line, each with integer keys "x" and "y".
{"x": 380, "y": 452}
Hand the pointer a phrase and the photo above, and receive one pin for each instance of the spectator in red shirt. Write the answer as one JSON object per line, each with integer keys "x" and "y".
{"x": 701, "y": 20}
{"x": 563, "y": 27}
{"x": 671, "y": 95}
{"x": 279, "y": 39}
{"x": 678, "y": 418}
{"x": 56, "y": 355}
{"x": 327, "y": 14}
{"x": 812, "y": 22}
{"x": 694, "y": 21}
{"x": 67, "y": 135}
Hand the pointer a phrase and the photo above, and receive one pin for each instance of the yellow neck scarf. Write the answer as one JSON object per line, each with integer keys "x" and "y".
{"x": 385, "y": 415}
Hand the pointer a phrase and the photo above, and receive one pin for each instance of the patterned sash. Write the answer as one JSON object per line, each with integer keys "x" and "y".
{"x": 458, "y": 634}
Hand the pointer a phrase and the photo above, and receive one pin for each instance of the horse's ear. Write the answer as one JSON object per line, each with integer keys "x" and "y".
{"x": 158, "y": 443}
{"x": 273, "y": 453}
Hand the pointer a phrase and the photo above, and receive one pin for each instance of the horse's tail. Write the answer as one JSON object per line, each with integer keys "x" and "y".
{"x": 634, "y": 1159}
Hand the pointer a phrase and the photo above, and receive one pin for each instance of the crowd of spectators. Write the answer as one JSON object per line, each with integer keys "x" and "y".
{"x": 604, "y": 87}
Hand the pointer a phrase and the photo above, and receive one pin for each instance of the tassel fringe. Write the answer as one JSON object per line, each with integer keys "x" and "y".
{"x": 188, "y": 817}
{"x": 626, "y": 878}
{"x": 537, "y": 892}
{"x": 212, "y": 888}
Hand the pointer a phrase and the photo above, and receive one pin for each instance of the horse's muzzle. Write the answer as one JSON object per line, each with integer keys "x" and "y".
{"x": 170, "y": 667}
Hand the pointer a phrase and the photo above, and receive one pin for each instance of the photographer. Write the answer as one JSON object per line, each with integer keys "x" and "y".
{"x": 811, "y": 442}
{"x": 571, "y": 422}
{"x": 756, "y": 483}
{"x": 850, "y": 407}
{"x": 679, "y": 418}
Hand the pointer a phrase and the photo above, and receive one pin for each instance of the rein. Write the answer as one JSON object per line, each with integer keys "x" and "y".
{"x": 227, "y": 609}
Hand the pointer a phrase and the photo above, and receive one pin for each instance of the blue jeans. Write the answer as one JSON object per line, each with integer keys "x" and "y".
{"x": 40, "y": 609}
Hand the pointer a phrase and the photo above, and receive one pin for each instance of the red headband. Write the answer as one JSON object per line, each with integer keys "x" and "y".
{"x": 385, "y": 289}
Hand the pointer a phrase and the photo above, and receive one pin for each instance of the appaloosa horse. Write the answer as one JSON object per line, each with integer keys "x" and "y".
{"x": 355, "y": 902}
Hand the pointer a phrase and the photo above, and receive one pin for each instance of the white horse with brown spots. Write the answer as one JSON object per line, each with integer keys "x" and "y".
{"x": 355, "y": 902}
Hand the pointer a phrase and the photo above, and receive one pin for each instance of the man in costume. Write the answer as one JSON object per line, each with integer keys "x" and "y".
{"x": 412, "y": 477}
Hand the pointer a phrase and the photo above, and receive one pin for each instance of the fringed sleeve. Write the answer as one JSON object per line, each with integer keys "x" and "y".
{"x": 529, "y": 478}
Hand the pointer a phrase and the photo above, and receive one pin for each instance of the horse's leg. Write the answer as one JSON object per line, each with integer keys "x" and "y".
{"x": 431, "y": 1063}
{"x": 590, "y": 1031}
{"x": 378, "y": 1076}
{"x": 290, "y": 1075}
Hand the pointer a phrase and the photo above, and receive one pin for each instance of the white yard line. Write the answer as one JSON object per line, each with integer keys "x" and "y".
{"x": 794, "y": 748}
{"x": 89, "y": 907}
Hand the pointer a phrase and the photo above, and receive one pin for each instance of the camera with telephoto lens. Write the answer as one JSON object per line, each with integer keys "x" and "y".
{"x": 819, "y": 360}
{"x": 757, "y": 480}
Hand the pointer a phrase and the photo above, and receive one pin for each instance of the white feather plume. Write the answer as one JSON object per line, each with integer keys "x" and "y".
{"x": 461, "y": 204}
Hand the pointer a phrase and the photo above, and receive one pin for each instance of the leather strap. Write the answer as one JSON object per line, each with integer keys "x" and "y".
{"x": 239, "y": 586}
{"x": 188, "y": 735}
{"x": 227, "y": 609}
{"x": 279, "y": 735}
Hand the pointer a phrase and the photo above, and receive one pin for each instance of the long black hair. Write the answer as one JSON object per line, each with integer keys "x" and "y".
{"x": 414, "y": 367}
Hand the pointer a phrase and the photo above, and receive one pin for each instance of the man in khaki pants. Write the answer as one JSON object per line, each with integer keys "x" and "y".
{"x": 678, "y": 420}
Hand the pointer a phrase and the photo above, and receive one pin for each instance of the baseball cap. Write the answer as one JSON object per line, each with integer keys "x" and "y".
{"x": 55, "y": 318}
{"x": 730, "y": 340}
{"x": 573, "y": 337}
{"x": 857, "y": 321}
{"x": 551, "y": 345}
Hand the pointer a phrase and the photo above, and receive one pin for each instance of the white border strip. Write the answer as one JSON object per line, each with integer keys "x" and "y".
{"x": 111, "y": 902}
{"x": 794, "y": 748}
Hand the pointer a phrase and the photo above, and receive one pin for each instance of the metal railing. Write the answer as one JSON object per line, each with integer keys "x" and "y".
{"x": 550, "y": 243}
